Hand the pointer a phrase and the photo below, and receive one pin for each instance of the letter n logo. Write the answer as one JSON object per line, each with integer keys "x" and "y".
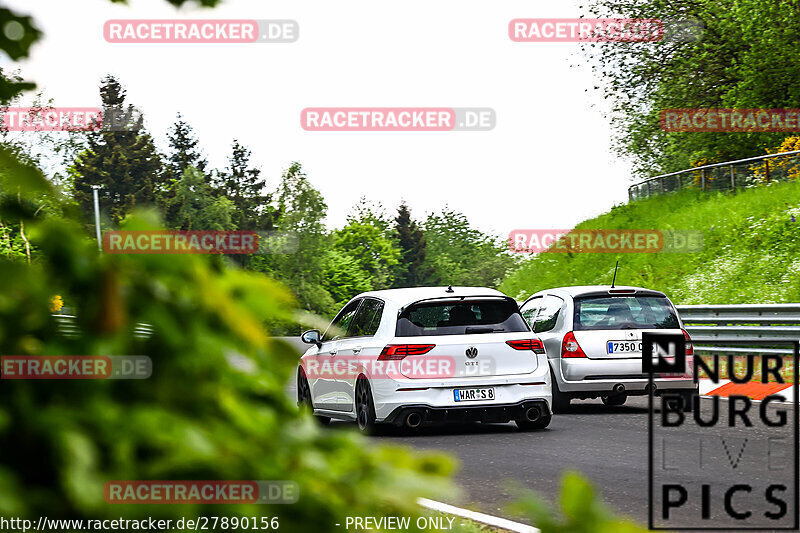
{"x": 663, "y": 353}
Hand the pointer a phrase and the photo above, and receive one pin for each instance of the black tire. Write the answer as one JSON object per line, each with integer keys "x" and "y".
{"x": 304, "y": 397}
{"x": 365, "y": 407}
{"x": 527, "y": 425}
{"x": 615, "y": 401}
{"x": 560, "y": 400}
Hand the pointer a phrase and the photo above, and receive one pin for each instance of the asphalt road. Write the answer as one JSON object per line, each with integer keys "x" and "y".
{"x": 610, "y": 447}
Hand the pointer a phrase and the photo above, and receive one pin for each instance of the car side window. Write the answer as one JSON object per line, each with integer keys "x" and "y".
{"x": 340, "y": 325}
{"x": 548, "y": 314}
{"x": 529, "y": 309}
{"x": 368, "y": 318}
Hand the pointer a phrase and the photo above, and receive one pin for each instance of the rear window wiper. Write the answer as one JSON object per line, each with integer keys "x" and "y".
{"x": 481, "y": 329}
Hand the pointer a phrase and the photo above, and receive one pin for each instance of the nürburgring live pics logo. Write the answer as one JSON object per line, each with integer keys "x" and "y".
{"x": 723, "y": 464}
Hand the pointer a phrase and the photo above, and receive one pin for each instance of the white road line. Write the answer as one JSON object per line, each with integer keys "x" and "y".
{"x": 489, "y": 520}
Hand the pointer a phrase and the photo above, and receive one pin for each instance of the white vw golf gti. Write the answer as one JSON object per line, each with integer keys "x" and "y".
{"x": 424, "y": 355}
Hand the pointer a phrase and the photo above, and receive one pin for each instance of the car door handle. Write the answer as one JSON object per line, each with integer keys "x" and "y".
{"x": 357, "y": 350}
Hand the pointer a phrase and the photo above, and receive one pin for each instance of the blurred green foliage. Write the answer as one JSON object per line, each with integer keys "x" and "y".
{"x": 214, "y": 408}
{"x": 580, "y": 510}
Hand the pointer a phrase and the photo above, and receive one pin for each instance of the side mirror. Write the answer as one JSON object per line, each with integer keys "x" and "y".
{"x": 311, "y": 336}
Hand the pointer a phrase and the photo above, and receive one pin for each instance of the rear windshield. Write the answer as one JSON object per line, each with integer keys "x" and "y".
{"x": 624, "y": 312}
{"x": 459, "y": 318}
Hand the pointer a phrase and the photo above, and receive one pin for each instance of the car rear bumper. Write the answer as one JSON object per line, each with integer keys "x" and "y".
{"x": 469, "y": 413}
{"x": 602, "y": 375}
{"x": 512, "y": 392}
{"x": 389, "y": 395}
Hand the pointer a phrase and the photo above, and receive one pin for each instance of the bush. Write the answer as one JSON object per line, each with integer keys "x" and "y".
{"x": 214, "y": 408}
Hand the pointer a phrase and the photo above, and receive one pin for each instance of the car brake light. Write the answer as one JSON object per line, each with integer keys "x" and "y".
{"x": 689, "y": 345}
{"x": 570, "y": 346}
{"x": 400, "y": 351}
{"x": 527, "y": 344}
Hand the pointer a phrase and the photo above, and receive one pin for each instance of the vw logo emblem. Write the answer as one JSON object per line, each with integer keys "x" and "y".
{"x": 472, "y": 352}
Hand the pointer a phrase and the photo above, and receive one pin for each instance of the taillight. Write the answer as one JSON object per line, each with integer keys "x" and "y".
{"x": 399, "y": 351}
{"x": 689, "y": 345}
{"x": 527, "y": 344}
{"x": 570, "y": 347}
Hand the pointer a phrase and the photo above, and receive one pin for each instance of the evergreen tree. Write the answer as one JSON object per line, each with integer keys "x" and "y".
{"x": 184, "y": 151}
{"x": 412, "y": 270}
{"x": 125, "y": 163}
{"x": 242, "y": 185}
{"x": 183, "y": 154}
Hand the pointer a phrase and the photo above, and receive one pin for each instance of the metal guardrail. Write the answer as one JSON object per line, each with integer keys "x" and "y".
{"x": 68, "y": 327}
{"x": 729, "y": 175}
{"x": 759, "y": 323}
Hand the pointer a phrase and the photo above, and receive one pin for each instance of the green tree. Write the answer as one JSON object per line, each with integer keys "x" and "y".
{"x": 125, "y": 163}
{"x": 243, "y": 185}
{"x": 183, "y": 150}
{"x": 373, "y": 252}
{"x": 343, "y": 278}
{"x": 412, "y": 270}
{"x": 459, "y": 254}
{"x": 735, "y": 55}
{"x": 196, "y": 206}
{"x": 183, "y": 153}
{"x": 369, "y": 212}
{"x": 302, "y": 211}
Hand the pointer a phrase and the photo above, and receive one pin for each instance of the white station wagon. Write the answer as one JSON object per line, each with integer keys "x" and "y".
{"x": 423, "y": 355}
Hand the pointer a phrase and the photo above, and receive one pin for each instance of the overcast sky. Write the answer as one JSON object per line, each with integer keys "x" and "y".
{"x": 547, "y": 163}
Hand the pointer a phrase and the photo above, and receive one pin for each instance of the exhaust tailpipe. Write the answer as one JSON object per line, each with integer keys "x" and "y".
{"x": 533, "y": 414}
{"x": 619, "y": 388}
{"x": 414, "y": 419}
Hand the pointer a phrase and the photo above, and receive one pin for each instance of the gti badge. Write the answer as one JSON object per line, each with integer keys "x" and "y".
{"x": 472, "y": 352}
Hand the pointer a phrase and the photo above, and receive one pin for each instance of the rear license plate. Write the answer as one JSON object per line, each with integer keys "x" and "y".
{"x": 624, "y": 347}
{"x": 473, "y": 395}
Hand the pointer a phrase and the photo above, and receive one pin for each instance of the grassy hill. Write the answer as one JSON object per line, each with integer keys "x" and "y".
{"x": 751, "y": 250}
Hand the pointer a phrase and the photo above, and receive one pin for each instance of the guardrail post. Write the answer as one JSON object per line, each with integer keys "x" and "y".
{"x": 766, "y": 166}
{"x": 703, "y": 180}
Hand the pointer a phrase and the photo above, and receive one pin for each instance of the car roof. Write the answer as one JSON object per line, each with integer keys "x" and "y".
{"x": 405, "y": 296}
{"x": 586, "y": 290}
